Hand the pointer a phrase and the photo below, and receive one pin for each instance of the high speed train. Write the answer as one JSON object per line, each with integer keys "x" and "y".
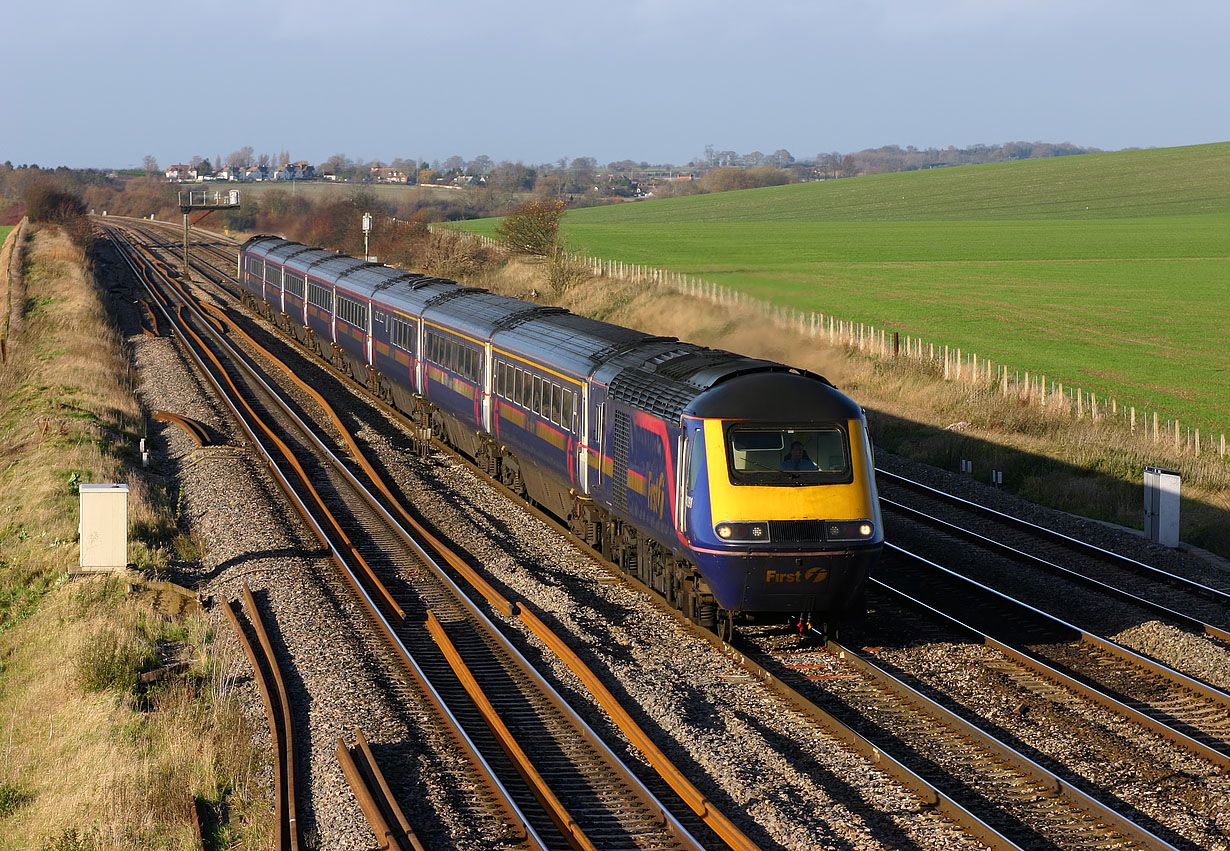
{"x": 736, "y": 487}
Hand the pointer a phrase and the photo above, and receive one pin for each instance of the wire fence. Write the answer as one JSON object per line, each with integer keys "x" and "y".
{"x": 966, "y": 367}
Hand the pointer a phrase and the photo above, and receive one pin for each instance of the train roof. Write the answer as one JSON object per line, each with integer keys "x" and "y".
{"x": 572, "y": 343}
{"x": 659, "y": 375}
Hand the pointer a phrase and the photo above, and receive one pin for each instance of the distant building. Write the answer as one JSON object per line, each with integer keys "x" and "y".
{"x": 181, "y": 172}
{"x": 389, "y": 175}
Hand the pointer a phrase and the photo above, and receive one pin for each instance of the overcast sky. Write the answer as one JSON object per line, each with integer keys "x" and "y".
{"x": 104, "y": 84}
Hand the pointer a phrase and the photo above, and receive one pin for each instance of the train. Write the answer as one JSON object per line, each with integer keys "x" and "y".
{"x": 740, "y": 489}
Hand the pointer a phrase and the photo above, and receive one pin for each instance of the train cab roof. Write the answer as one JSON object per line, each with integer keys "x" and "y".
{"x": 774, "y": 394}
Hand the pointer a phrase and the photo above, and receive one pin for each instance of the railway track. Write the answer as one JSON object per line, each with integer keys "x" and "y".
{"x": 579, "y": 771}
{"x": 1019, "y": 826}
{"x": 268, "y": 673}
{"x": 1200, "y": 604}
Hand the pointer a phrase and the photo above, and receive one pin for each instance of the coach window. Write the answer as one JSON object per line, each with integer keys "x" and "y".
{"x": 568, "y": 394}
{"x": 557, "y": 404}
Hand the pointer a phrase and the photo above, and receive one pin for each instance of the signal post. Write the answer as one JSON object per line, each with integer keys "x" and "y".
{"x": 200, "y": 201}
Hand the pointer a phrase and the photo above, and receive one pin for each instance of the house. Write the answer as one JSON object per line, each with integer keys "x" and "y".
{"x": 256, "y": 172}
{"x": 389, "y": 175}
{"x": 231, "y": 172}
{"x": 181, "y": 172}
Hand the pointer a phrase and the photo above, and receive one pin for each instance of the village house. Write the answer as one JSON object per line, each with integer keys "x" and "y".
{"x": 180, "y": 173}
{"x": 389, "y": 175}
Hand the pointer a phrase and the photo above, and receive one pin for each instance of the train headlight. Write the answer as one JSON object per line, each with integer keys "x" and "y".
{"x": 848, "y": 530}
{"x": 756, "y": 531}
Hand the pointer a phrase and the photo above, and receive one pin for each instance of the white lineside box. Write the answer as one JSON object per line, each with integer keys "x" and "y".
{"x": 1162, "y": 506}
{"x": 104, "y": 527}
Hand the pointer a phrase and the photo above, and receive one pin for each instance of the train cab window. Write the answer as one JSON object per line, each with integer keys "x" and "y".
{"x": 806, "y": 455}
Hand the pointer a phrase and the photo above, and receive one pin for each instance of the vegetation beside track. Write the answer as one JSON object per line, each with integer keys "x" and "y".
{"x": 89, "y": 757}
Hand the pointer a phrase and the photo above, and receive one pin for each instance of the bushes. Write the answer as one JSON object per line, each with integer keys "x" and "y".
{"x": 46, "y": 202}
{"x": 533, "y": 228}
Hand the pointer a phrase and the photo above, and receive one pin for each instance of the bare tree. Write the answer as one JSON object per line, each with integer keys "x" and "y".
{"x": 241, "y": 157}
{"x": 150, "y": 165}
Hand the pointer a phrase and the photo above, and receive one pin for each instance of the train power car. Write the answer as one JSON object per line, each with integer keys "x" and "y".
{"x": 733, "y": 486}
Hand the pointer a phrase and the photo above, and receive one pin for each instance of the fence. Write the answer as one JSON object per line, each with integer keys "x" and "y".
{"x": 956, "y": 365}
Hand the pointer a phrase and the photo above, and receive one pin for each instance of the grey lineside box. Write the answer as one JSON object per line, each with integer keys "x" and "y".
{"x": 1162, "y": 506}
{"x": 104, "y": 527}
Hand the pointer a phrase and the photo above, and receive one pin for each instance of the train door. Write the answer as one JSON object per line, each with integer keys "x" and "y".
{"x": 580, "y": 426}
{"x": 370, "y": 331}
{"x": 488, "y": 379}
{"x": 419, "y": 350}
{"x": 332, "y": 314}
{"x": 595, "y": 439}
{"x": 691, "y": 468}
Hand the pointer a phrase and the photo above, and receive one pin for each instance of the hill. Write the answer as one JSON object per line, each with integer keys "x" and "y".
{"x": 1104, "y": 271}
{"x": 1157, "y": 182}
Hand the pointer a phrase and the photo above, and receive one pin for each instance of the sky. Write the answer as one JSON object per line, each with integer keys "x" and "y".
{"x": 94, "y": 84}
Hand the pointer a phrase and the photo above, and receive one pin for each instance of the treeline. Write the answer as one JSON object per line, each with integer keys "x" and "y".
{"x": 489, "y": 188}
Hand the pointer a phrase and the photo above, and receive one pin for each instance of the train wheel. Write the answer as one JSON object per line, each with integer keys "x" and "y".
{"x": 725, "y": 628}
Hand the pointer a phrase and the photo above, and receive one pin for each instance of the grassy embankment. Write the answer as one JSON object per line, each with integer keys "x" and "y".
{"x": 88, "y": 757}
{"x": 1126, "y": 299}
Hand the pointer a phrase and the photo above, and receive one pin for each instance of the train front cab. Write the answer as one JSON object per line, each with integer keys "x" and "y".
{"x": 779, "y": 508}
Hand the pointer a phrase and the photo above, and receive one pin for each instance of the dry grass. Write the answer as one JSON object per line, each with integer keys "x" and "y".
{"x": 1085, "y": 467}
{"x": 87, "y": 758}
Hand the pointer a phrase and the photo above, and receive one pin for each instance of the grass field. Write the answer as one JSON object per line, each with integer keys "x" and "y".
{"x": 1110, "y": 272}
{"x": 4, "y": 233}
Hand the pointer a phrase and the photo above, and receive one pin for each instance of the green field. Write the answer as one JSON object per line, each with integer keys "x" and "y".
{"x": 4, "y": 233}
{"x": 1110, "y": 272}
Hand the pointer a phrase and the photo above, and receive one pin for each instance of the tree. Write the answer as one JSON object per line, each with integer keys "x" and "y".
{"x": 533, "y": 228}
{"x": 780, "y": 158}
{"x": 337, "y": 164}
{"x": 241, "y": 157}
{"x": 150, "y": 165}
{"x": 481, "y": 164}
